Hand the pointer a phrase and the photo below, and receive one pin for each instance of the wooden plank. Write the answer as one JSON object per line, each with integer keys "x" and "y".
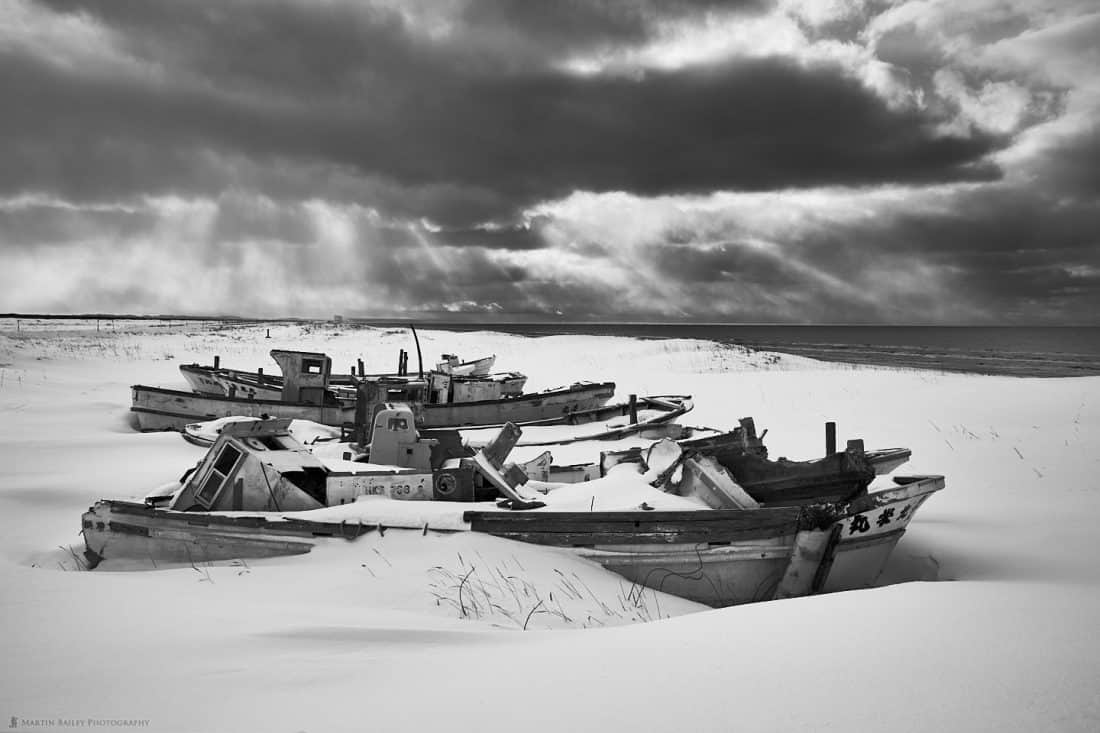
{"x": 597, "y": 537}
{"x": 747, "y": 516}
{"x": 811, "y": 548}
{"x": 594, "y": 528}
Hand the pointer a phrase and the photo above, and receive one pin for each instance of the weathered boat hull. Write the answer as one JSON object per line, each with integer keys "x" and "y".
{"x": 874, "y": 526}
{"x": 551, "y": 405}
{"x": 730, "y": 557}
{"x": 155, "y": 408}
{"x": 885, "y": 460}
{"x": 718, "y": 557}
{"x": 838, "y": 477}
{"x": 654, "y": 416}
{"x": 475, "y": 368}
{"x": 251, "y": 385}
{"x": 214, "y": 380}
{"x": 257, "y": 386}
{"x": 121, "y": 530}
{"x": 717, "y": 576}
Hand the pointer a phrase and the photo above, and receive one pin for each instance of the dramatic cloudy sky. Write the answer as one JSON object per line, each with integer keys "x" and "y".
{"x": 824, "y": 161}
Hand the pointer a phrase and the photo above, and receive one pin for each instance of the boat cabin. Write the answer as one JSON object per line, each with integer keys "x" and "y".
{"x": 306, "y": 375}
{"x": 445, "y": 389}
{"x": 451, "y": 364}
{"x": 259, "y": 466}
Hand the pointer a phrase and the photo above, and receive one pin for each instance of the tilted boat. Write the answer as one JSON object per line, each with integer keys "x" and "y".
{"x": 259, "y": 493}
{"x": 306, "y": 395}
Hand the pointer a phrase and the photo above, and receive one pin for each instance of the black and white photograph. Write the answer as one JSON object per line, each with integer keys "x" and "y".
{"x": 542, "y": 366}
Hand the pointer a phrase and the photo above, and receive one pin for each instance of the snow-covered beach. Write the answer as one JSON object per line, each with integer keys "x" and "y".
{"x": 985, "y": 618}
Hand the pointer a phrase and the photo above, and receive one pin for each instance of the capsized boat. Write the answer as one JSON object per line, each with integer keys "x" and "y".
{"x": 306, "y": 395}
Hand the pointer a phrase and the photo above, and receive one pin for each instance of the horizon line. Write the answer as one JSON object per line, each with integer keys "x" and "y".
{"x": 459, "y": 321}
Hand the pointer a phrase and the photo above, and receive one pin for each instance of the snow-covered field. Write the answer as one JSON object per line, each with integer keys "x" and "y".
{"x": 988, "y": 617}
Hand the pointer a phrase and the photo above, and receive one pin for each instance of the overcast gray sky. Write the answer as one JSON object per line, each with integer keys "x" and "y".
{"x": 822, "y": 161}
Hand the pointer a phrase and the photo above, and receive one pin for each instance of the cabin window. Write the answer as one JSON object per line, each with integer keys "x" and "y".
{"x": 313, "y": 481}
{"x": 313, "y": 366}
{"x": 218, "y": 476}
{"x": 398, "y": 423}
{"x": 268, "y": 442}
{"x": 210, "y": 488}
{"x": 227, "y": 459}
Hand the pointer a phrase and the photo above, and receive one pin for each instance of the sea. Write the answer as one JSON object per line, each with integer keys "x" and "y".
{"x": 1022, "y": 351}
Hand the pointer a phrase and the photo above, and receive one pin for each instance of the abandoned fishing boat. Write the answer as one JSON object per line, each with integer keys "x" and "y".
{"x": 260, "y": 493}
{"x": 645, "y": 417}
{"x": 466, "y": 384}
{"x": 473, "y": 368}
{"x": 726, "y": 557}
{"x": 258, "y": 466}
{"x": 838, "y": 476}
{"x": 442, "y": 400}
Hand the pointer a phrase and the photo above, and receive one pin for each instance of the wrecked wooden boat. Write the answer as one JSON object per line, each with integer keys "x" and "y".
{"x": 648, "y": 417}
{"x": 725, "y": 557}
{"x": 258, "y": 466}
{"x": 306, "y": 395}
{"x": 839, "y": 476}
{"x": 452, "y": 365}
{"x": 260, "y": 493}
{"x": 445, "y": 384}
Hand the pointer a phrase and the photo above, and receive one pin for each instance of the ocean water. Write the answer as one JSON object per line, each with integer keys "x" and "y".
{"x": 1032, "y": 351}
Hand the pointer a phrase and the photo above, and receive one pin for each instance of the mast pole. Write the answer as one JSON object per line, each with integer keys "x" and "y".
{"x": 419, "y": 358}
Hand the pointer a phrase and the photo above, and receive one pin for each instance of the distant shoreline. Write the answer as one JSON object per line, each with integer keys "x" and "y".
{"x": 1020, "y": 351}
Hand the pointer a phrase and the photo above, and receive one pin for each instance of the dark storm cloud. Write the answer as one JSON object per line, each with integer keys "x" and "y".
{"x": 362, "y": 90}
{"x": 398, "y": 154}
{"x": 581, "y": 24}
{"x": 408, "y": 265}
{"x": 725, "y": 262}
{"x": 1013, "y": 255}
